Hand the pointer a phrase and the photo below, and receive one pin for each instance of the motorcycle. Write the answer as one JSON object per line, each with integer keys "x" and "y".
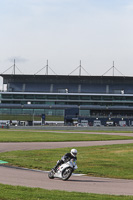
{"x": 64, "y": 171}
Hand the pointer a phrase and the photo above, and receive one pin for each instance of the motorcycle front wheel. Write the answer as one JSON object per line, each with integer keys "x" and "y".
{"x": 51, "y": 175}
{"x": 66, "y": 173}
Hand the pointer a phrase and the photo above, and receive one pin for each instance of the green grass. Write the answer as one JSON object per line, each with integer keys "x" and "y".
{"x": 39, "y": 136}
{"x": 114, "y": 161}
{"x": 26, "y": 193}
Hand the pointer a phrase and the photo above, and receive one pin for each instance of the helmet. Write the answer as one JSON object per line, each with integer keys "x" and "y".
{"x": 73, "y": 152}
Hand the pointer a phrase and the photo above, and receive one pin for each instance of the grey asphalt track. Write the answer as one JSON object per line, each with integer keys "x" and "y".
{"x": 87, "y": 184}
{"x": 13, "y": 146}
{"x": 31, "y": 178}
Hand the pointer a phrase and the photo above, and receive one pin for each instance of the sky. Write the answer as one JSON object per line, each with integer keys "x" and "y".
{"x": 66, "y": 34}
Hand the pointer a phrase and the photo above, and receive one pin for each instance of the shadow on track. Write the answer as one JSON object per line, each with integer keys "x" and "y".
{"x": 87, "y": 181}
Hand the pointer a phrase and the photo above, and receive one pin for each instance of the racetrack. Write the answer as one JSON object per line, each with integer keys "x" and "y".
{"x": 87, "y": 184}
{"x": 13, "y": 146}
{"x": 32, "y": 178}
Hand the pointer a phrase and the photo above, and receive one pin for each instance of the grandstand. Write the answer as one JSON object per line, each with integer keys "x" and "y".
{"x": 75, "y": 97}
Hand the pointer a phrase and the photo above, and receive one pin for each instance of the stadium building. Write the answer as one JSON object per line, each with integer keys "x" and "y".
{"x": 99, "y": 100}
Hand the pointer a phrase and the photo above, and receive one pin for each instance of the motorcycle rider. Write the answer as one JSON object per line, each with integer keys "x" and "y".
{"x": 66, "y": 158}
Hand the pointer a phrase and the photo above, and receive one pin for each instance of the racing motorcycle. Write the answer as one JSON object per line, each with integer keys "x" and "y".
{"x": 64, "y": 171}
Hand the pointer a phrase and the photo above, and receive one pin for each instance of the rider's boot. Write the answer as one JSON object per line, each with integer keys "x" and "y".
{"x": 59, "y": 162}
{"x": 54, "y": 170}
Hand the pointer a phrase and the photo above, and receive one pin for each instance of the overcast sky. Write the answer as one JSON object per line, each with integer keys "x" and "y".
{"x": 97, "y": 32}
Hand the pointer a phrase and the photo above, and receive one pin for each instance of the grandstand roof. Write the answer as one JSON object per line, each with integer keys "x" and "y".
{"x": 7, "y": 78}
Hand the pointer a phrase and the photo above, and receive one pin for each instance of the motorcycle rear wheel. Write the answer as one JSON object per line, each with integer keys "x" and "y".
{"x": 67, "y": 173}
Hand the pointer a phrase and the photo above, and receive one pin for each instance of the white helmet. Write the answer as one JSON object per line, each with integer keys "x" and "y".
{"x": 74, "y": 152}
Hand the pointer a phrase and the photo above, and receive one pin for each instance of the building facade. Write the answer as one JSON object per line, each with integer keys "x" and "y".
{"x": 91, "y": 97}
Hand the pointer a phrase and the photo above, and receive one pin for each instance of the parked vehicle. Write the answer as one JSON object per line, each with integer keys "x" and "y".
{"x": 109, "y": 123}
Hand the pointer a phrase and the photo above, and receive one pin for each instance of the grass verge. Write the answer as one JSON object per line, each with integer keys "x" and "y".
{"x": 39, "y": 136}
{"x": 113, "y": 161}
{"x": 22, "y": 193}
